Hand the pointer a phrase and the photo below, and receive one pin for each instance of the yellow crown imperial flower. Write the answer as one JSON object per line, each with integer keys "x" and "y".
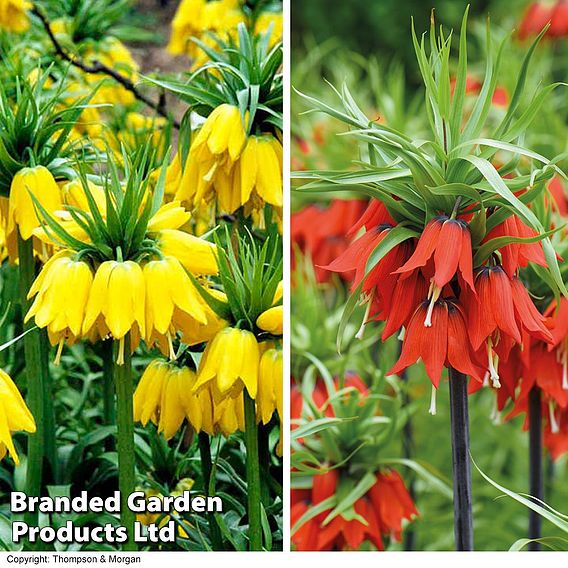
{"x": 271, "y": 320}
{"x": 61, "y": 291}
{"x": 36, "y": 181}
{"x": 164, "y": 396}
{"x": 117, "y": 300}
{"x": 14, "y": 416}
{"x": 270, "y": 386}
{"x": 170, "y": 291}
{"x": 13, "y": 16}
{"x": 230, "y": 362}
{"x": 212, "y": 155}
{"x": 261, "y": 170}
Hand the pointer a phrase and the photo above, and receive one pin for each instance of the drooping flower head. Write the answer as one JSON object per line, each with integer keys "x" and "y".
{"x": 127, "y": 283}
{"x": 235, "y": 156}
{"x": 14, "y": 416}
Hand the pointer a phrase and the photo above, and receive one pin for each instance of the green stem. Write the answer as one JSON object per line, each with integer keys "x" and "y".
{"x": 37, "y": 376}
{"x": 264, "y": 460}
{"x": 206, "y": 468}
{"x": 109, "y": 408}
{"x": 253, "y": 474}
{"x": 125, "y": 434}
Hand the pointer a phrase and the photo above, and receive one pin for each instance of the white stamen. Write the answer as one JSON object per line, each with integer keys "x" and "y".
{"x": 554, "y": 427}
{"x": 57, "y": 360}
{"x": 493, "y": 360}
{"x": 402, "y": 334}
{"x": 564, "y": 370}
{"x": 432, "y": 409}
{"x": 433, "y": 295}
{"x": 120, "y": 357}
{"x": 486, "y": 379}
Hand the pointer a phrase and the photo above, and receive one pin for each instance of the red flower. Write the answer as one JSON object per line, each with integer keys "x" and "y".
{"x": 321, "y": 233}
{"x": 383, "y": 508}
{"x": 517, "y": 255}
{"x": 448, "y": 241}
{"x": 500, "y": 315}
{"x": 357, "y": 253}
{"x": 556, "y": 189}
{"x": 559, "y": 20}
{"x": 392, "y": 503}
{"x": 556, "y": 441}
{"x": 375, "y": 214}
{"x": 341, "y": 534}
{"x": 535, "y": 18}
{"x": 473, "y": 87}
{"x": 442, "y": 343}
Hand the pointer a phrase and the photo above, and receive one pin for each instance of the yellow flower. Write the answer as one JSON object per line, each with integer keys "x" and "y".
{"x": 186, "y": 23}
{"x": 216, "y": 148}
{"x": 73, "y": 194}
{"x": 230, "y": 415}
{"x": 169, "y": 290}
{"x": 271, "y": 320}
{"x": 112, "y": 53}
{"x": 267, "y": 19}
{"x": 22, "y": 212}
{"x": 117, "y": 301}
{"x": 261, "y": 170}
{"x": 14, "y": 415}
{"x": 270, "y": 386}
{"x": 169, "y": 216}
{"x": 197, "y": 255}
{"x": 61, "y": 291}
{"x": 230, "y": 363}
{"x": 13, "y": 16}
{"x": 164, "y": 396}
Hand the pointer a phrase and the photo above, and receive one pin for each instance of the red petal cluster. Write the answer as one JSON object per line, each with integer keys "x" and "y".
{"x": 321, "y": 233}
{"x": 539, "y": 14}
{"x": 383, "y": 507}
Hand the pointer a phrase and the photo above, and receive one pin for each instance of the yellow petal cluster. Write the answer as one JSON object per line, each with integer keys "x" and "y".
{"x": 261, "y": 170}
{"x": 194, "y": 18}
{"x": 112, "y": 53}
{"x": 270, "y": 385}
{"x": 117, "y": 299}
{"x": 229, "y": 364}
{"x": 13, "y": 15}
{"x": 210, "y": 163}
{"x": 36, "y": 181}
{"x": 271, "y": 320}
{"x": 165, "y": 397}
{"x": 61, "y": 291}
{"x": 14, "y": 416}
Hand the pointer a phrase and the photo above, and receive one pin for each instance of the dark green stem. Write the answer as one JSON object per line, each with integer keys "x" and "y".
{"x": 125, "y": 434}
{"x": 253, "y": 474}
{"x": 38, "y": 387}
{"x": 264, "y": 460}
{"x": 206, "y": 468}
{"x": 109, "y": 407}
